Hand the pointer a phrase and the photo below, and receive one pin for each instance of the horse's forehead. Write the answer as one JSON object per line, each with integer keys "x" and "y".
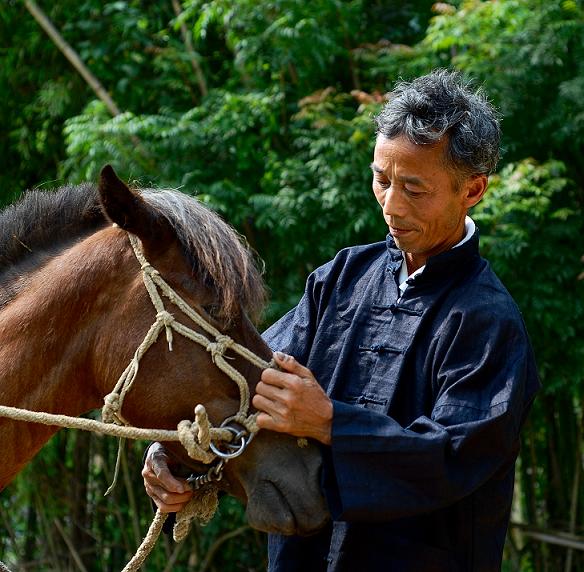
{"x": 109, "y": 242}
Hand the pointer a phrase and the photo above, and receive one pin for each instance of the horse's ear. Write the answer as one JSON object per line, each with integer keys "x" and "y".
{"x": 129, "y": 210}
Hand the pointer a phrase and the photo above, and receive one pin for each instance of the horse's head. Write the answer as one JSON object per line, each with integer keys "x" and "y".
{"x": 203, "y": 260}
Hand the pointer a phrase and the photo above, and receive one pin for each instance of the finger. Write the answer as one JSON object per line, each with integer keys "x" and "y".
{"x": 288, "y": 363}
{"x": 266, "y": 421}
{"x": 269, "y": 391}
{"x": 170, "y": 482}
{"x": 166, "y": 497}
{"x": 276, "y": 378}
{"x": 266, "y": 405}
{"x": 165, "y": 501}
{"x": 166, "y": 508}
{"x": 156, "y": 473}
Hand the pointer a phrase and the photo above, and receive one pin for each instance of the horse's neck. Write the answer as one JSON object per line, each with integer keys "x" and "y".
{"x": 47, "y": 336}
{"x": 41, "y": 369}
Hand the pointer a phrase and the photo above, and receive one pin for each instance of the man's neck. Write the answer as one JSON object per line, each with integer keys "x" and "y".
{"x": 415, "y": 263}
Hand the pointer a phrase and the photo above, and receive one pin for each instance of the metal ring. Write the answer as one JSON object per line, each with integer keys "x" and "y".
{"x": 237, "y": 448}
{"x": 244, "y": 431}
{"x": 241, "y": 439}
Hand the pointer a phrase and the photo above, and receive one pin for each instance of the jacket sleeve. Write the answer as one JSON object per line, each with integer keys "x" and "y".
{"x": 485, "y": 378}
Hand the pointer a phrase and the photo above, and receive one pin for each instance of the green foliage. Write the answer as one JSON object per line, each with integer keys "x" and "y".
{"x": 531, "y": 224}
{"x": 532, "y": 228}
{"x": 279, "y": 143}
{"x": 529, "y": 56}
{"x": 318, "y": 199}
{"x": 31, "y": 76}
{"x": 228, "y": 128}
{"x": 280, "y": 40}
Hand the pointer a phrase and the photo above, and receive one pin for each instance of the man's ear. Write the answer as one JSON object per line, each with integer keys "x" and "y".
{"x": 474, "y": 188}
{"x": 130, "y": 211}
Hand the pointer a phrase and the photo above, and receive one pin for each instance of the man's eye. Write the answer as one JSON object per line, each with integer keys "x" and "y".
{"x": 384, "y": 184}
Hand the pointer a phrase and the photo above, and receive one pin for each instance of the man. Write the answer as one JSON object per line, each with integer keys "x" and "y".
{"x": 411, "y": 362}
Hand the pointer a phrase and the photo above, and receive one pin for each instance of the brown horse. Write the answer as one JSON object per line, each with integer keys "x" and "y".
{"x": 74, "y": 308}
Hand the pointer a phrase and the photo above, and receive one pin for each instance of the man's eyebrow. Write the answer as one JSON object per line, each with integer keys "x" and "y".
{"x": 413, "y": 181}
{"x": 406, "y": 179}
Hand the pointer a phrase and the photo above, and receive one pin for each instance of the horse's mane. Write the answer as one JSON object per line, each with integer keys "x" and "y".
{"x": 218, "y": 254}
{"x": 42, "y": 223}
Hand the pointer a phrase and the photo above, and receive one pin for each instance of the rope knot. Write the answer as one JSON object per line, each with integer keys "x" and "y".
{"x": 111, "y": 407}
{"x": 195, "y": 437}
{"x": 148, "y": 269}
{"x": 249, "y": 422}
{"x": 221, "y": 344}
{"x": 167, "y": 319}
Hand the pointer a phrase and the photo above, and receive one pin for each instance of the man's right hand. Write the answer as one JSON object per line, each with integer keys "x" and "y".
{"x": 168, "y": 493}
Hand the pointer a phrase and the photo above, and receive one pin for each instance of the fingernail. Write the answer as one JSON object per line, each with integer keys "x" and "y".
{"x": 280, "y": 355}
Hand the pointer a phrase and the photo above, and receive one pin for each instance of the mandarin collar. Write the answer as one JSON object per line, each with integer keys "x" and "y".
{"x": 440, "y": 264}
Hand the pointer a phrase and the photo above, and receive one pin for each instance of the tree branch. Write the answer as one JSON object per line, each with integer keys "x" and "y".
{"x": 217, "y": 544}
{"x": 71, "y": 55}
{"x": 70, "y": 546}
{"x": 550, "y": 536}
{"x": 190, "y": 50}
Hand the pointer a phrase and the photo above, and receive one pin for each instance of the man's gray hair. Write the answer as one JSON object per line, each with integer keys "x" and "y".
{"x": 443, "y": 104}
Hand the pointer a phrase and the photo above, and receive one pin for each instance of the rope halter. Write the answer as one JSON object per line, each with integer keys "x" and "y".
{"x": 213, "y": 446}
{"x": 202, "y": 441}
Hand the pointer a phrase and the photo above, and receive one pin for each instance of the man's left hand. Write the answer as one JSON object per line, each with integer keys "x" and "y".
{"x": 291, "y": 401}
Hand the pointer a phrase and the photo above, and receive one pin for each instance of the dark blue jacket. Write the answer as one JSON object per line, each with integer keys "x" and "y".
{"x": 430, "y": 391}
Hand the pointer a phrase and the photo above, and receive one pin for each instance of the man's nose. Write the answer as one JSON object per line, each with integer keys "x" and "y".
{"x": 393, "y": 203}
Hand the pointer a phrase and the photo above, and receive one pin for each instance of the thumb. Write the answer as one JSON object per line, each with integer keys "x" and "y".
{"x": 288, "y": 363}
{"x": 171, "y": 483}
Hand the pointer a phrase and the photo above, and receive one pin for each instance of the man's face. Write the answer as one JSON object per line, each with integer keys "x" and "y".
{"x": 418, "y": 195}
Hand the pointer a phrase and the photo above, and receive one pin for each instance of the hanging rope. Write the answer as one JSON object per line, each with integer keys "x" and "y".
{"x": 197, "y": 437}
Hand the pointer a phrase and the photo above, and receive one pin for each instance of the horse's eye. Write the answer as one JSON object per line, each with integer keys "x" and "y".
{"x": 213, "y": 310}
